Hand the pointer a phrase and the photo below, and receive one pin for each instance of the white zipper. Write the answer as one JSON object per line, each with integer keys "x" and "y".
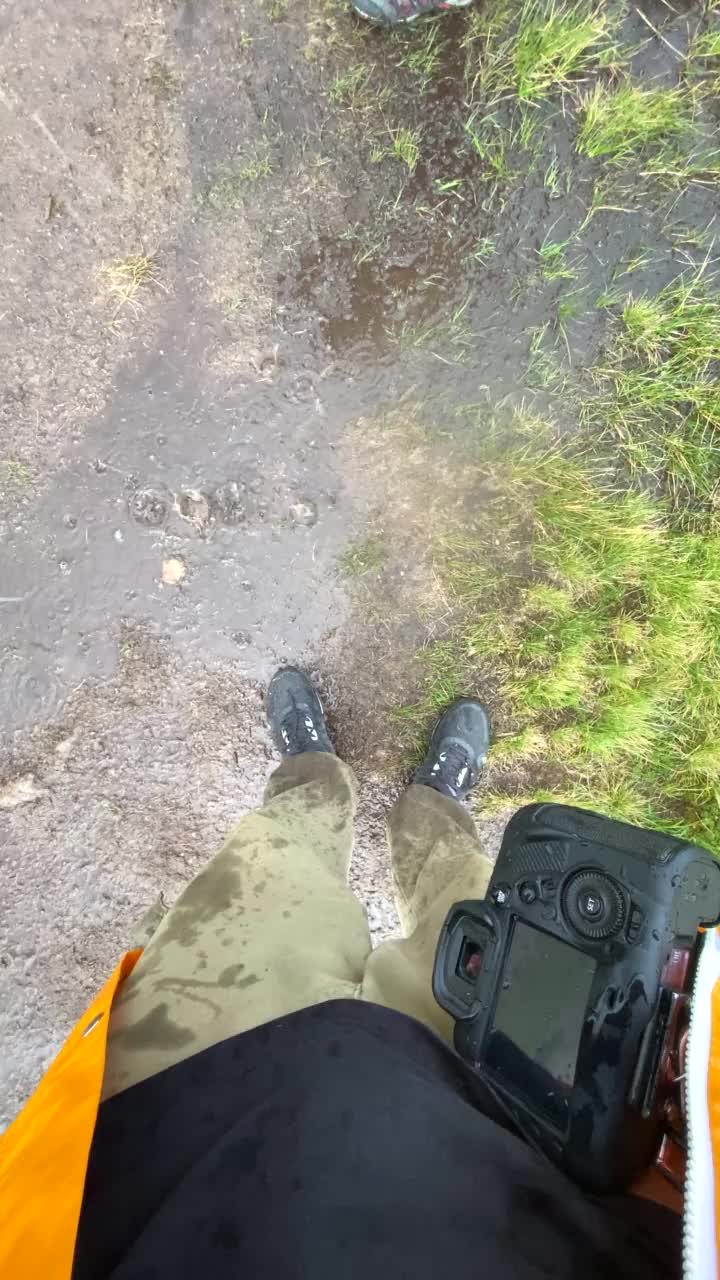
{"x": 699, "y": 1234}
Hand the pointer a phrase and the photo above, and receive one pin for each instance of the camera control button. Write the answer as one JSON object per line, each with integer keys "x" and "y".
{"x": 634, "y": 924}
{"x": 501, "y": 895}
{"x": 548, "y": 887}
{"x": 527, "y": 893}
{"x": 594, "y": 904}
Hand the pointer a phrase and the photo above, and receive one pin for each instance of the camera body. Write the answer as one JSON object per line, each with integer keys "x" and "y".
{"x": 561, "y": 982}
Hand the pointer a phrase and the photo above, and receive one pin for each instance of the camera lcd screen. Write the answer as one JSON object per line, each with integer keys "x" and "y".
{"x": 539, "y": 1018}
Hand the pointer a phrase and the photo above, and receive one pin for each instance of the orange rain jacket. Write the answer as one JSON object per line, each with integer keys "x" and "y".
{"x": 44, "y": 1154}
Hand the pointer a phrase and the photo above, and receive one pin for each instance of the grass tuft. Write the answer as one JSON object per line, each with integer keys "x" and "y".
{"x": 423, "y": 50}
{"x": 603, "y": 635}
{"x": 356, "y": 89}
{"x": 659, "y": 394}
{"x": 228, "y": 191}
{"x": 125, "y": 277}
{"x": 556, "y": 42}
{"x": 620, "y": 123}
{"x": 15, "y": 477}
{"x": 541, "y": 46}
{"x": 406, "y": 146}
{"x": 367, "y": 555}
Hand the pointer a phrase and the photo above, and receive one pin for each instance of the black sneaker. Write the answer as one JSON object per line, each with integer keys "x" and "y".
{"x": 296, "y": 715}
{"x": 458, "y": 748}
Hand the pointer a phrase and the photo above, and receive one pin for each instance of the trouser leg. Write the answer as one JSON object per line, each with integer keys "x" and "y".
{"x": 268, "y": 927}
{"x": 436, "y": 860}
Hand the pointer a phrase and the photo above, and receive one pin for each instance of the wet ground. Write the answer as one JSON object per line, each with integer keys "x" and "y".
{"x": 181, "y": 475}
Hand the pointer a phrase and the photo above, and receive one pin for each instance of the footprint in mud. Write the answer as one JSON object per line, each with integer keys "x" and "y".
{"x": 193, "y": 505}
{"x": 150, "y": 505}
{"x": 304, "y": 513}
{"x": 227, "y": 503}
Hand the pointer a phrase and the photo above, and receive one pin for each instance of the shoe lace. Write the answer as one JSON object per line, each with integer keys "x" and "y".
{"x": 298, "y": 724}
{"x": 455, "y": 765}
{"x": 408, "y": 7}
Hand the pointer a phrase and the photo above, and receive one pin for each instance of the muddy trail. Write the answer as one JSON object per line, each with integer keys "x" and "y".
{"x": 237, "y": 238}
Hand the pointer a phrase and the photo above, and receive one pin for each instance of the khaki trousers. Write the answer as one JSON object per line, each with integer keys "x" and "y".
{"x": 271, "y": 925}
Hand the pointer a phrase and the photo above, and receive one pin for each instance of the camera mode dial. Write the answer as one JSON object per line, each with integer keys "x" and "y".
{"x": 593, "y": 905}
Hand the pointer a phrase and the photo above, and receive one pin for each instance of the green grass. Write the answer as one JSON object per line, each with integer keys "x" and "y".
{"x": 367, "y": 555}
{"x": 357, "y": 90}
{"x": 662, "y": 130}
{"x": 554, "y": 263}
{"x": 621, "y": 123}
{"x": 703, "y": 60}
{"x": 556, "y": 42}
{"x": 15, "y": 477}
{"x": 534, "y": 49}
{"x": 595, "y": 616}
{"x": 602, "y": 633}
{"x": 659, "y": 394}
{"x": 422, "y": 50}
{"x": 453, "y": 331}
{"x": 545, "y": 370}
{"x": 492, "y": 144}
{"x": 406, "y": 146}
{"x": 484, "y": 250}
{"x": 228, "y": 191}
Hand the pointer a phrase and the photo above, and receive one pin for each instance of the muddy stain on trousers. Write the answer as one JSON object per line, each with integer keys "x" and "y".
{"x": 271, "y": 925}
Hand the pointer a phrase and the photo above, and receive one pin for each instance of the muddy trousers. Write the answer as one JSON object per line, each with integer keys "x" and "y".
{"x": 271, "y": 925}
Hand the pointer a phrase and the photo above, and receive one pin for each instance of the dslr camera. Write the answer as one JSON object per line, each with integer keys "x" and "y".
{"x": 569, "y": 984}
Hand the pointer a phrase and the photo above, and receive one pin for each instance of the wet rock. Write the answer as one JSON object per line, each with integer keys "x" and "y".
{"x": 301, "y": 390}
{"x": 150, "y": 506}
{"x": 266, "y": 362}
{"x": 22, "y": 790}
{"x": 303, "y": 512}
{"x": 66, "y": 746}
{"x": 228, "y": 503}
{"x": 195, "y": 507}
{"x": 173, "y": 571}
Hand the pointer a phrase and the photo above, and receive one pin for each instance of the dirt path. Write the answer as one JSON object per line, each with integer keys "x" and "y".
{"x": 298, "y": 269}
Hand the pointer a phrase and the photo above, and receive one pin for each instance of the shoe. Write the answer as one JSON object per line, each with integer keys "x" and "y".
{"x": 392, "y": 13}
{"x": 296, "y": 715}
{"x": 458, "y": 749}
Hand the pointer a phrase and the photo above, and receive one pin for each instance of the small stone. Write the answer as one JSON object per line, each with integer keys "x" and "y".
{"x": 173, "y": 571}
{"x": 66, "y": 746}
{"x": 303, "y": 513}
{"x": 194, "y": 506}
{"x": 22, "y": 790}
{"x": 118, "y": 535}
